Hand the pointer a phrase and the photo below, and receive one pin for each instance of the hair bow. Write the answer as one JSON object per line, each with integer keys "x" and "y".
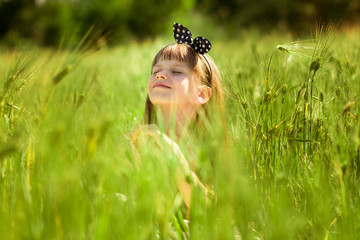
{"x": 201, "y": 45}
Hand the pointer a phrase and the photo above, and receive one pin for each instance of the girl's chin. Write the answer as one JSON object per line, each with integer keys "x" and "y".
{"x": 163, "y": 103}
{"x": 160, "y": 99}
{"x": 164, "y": 100}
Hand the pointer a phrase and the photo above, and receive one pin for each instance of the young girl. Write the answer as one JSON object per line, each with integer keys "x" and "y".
{"x": 182, "y": 91}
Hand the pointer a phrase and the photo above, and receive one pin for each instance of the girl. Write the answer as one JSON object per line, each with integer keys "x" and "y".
{"x": 182, "y": 91}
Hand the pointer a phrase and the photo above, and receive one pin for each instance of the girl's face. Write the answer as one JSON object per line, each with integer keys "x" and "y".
{"x": 171, "y": 83}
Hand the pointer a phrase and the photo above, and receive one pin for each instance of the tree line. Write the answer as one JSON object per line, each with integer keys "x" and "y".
{"x": 53, "y": 22}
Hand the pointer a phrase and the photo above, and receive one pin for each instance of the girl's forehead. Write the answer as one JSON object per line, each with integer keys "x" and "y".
{"x": 172, "y": 63}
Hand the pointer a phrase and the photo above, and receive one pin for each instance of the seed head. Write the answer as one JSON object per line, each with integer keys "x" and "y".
{"x": 62, "y": 74}
{"x": 282, "y": 48}
{"x": 348, "y": 106}
{"x": 267, "y": 97}
{"x": 244, "y": 104}
{"x": 315, "y": 65}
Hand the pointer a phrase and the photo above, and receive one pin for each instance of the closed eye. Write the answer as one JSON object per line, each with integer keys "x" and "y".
{"x": 176, "y": 72}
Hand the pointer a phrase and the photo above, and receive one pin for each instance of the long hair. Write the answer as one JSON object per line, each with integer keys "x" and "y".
{"x": 206, "y": 76}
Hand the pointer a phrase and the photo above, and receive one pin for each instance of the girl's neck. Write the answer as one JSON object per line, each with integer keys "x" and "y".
{"x": 175, "y": 122}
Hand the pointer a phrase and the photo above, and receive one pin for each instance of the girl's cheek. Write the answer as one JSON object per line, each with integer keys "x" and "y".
{"x": 149, "y": 84}
{"x": 150, "y": 80}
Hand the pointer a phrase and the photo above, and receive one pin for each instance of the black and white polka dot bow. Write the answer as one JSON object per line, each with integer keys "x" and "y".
{"x": 182, "y": 35}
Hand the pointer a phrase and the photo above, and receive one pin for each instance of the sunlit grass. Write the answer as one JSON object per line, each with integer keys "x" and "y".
{"x": 290, "y": 169}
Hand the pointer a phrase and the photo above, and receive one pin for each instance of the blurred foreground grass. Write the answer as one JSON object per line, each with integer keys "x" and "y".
{"x": 290, "y": 170}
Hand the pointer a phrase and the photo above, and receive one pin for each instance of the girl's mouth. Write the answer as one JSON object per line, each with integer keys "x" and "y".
{"x": 161, "y": 85}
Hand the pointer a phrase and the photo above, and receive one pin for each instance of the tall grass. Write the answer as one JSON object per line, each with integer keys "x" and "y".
{"x": 290, "y": 169}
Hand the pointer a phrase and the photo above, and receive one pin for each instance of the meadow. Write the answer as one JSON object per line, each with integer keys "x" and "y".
{"x": 289, "y": 169}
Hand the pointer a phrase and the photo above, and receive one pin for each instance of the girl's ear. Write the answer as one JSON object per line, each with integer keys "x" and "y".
{"x": 203, "y": 95}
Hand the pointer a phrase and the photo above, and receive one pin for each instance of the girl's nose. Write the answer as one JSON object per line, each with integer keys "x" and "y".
{"x": 161, "y": 75}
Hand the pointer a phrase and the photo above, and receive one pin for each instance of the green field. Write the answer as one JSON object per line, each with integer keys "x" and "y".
{"x": 289, "y": 170}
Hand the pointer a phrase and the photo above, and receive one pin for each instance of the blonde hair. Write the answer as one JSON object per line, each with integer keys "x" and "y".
{"x": 199, "y": 65}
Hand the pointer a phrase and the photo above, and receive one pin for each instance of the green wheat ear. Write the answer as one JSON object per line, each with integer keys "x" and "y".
{"x": 282, "y": 48}
{"x": 315, "y": 65}
{"x": 62, "y": 74}
{"x": 300, "y": 49}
